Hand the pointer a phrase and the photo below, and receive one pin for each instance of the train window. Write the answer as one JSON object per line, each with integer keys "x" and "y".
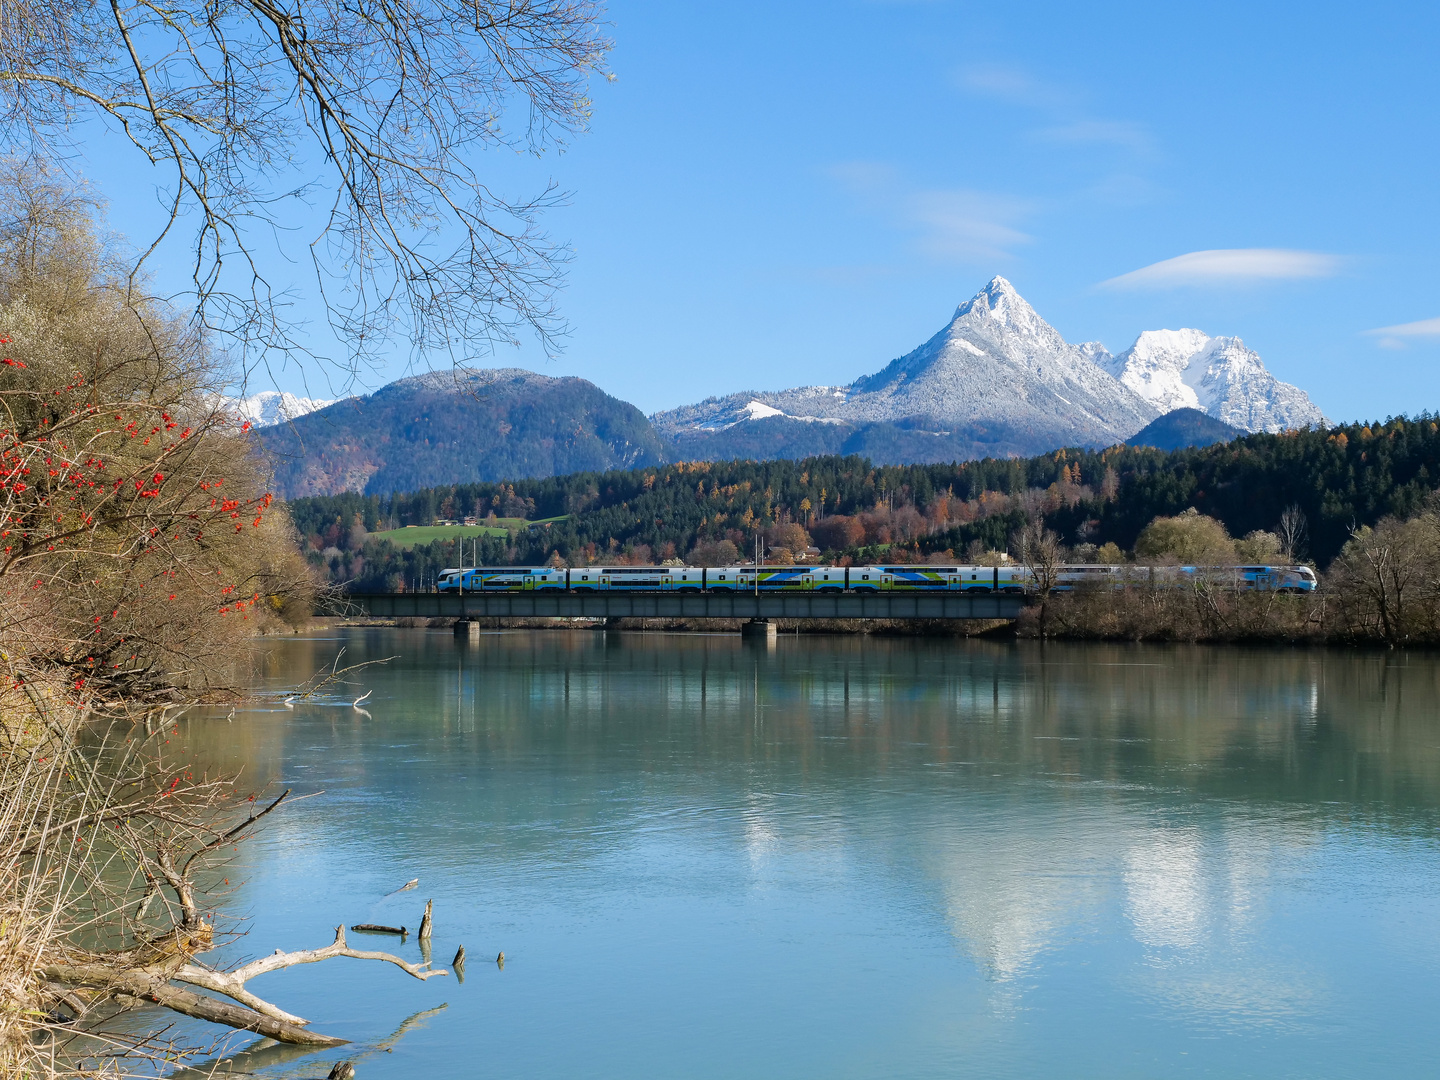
{"x": 865, "y": 577}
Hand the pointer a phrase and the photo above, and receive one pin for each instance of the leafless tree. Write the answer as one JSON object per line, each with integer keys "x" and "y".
{"x": 1040, "y": 552}
{"x": 1292, "y": 531}
{"x": 1386, "y": 581}
{"x": 355, "y": 123}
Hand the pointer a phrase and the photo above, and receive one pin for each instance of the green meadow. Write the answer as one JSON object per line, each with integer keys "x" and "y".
{"x": 412, "y": 535}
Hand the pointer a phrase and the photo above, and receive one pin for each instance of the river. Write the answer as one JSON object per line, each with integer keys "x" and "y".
{"x": 851, "y": 857}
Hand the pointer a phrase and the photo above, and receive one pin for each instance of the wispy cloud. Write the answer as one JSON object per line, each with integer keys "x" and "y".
{"x": 1119, "y": 133}
{"x": 866, "y": 177}
{"x": 964, "y": 226}
{"x": 949, "y": 224}
{"x": 1012, "y": 84}
{"x": 1395, "y": 337}
{"x": 1229, "y": 266}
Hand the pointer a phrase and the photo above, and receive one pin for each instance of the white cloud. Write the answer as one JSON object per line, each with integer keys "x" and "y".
{"x": 1229, "y": 266}
{"x": 950, "y": 224}
{"x": 1393, "y": 337}
{"x": 967, "y": 225}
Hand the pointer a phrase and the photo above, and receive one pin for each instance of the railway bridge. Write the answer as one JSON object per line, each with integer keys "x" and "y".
{"x": 465, "y": 608}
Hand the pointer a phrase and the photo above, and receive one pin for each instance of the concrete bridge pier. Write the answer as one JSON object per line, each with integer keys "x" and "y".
{"x": 760, "y": 631}
{"x": 467, "y": 630}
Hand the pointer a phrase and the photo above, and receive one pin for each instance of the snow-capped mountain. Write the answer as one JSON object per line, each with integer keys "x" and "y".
{"x": 275, "y": 407}
{"x": 997, "y": 366}
{"x": 1175, "y": 369}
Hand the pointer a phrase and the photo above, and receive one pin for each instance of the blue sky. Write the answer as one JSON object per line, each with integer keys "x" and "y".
{"x": 783, "y": 193}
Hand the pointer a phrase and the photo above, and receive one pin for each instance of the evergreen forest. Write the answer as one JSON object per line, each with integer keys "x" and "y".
{"x": 1339, "y": 479}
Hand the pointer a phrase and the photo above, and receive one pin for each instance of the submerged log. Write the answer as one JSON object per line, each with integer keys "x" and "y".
{"x": 201, "y": 1007}
{"x": 424, "y": 934}
{"x": 376, "y": 928}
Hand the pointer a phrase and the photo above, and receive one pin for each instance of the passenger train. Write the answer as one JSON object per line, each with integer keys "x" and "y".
{"x": 860, "y": 579}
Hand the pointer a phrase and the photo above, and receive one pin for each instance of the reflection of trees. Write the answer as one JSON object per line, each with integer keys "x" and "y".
{"x": 1266, "y": 725}
{"x": 1024, "y": 787}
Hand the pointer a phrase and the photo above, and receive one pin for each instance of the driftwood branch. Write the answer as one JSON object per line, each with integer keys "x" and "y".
{"x": 277, "y": 960}
{"x": 129, "y": 986}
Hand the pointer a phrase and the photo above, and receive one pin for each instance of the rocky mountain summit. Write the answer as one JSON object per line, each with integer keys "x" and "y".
{"x": 276, "y": 406}
{"x": 997, "y": 369}
{"x": 1001, "y": 380}
{"x": 1180, "y": 369}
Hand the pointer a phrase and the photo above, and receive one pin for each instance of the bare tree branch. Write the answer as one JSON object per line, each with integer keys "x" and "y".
{"x": 258, "y": 110}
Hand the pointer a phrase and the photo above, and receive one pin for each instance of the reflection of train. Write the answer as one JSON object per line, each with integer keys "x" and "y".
{"x": 834, "y": 579}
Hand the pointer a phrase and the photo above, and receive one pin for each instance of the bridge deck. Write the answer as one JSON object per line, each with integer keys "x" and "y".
{"x": 669, "y": 605}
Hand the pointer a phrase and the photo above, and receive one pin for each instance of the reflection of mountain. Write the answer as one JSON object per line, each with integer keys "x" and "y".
{"x": 1008, "y": 899}
{"x": 1105, "y": 816}
{"x": 1164, "y": 888}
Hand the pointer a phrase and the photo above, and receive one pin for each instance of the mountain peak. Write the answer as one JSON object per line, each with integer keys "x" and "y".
{"x": 999, "y": 302}
{"x": 1186, "y": 368}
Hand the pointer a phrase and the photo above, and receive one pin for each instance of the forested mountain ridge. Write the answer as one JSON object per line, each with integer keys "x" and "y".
{"x": 1183, "y": 427}
{"x": 448, "y": 427}
{"x": 1339, "y": 477}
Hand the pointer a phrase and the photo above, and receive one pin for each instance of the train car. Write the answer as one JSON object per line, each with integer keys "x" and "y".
{"x": 834, "y": 579}
{"x": 978, "y": 579}
{"x": 501, "y": 579}
{"x": 1289, "y": 579}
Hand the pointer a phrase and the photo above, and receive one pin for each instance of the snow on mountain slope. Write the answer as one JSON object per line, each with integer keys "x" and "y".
{"x": 275, "y": 407}
{"x": 1174, "y": 369}
{"x": 997, "y": 365}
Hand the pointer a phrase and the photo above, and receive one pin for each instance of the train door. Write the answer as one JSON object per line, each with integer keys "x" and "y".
{"x": 527, "y": 582}
{"x": 887, "y": 581}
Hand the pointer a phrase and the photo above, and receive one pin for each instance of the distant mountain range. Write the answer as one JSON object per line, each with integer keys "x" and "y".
{"x": 1000, "y": 380}
{"x": 276, "y": 407}
{"x": 996, "y": 381}
{"x": 458, "y": 427}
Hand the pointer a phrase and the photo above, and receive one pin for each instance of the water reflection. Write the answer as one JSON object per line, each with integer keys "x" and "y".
{"x": 1050, "y": 840}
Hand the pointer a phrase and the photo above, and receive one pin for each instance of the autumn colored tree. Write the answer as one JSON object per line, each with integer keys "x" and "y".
{"x": 138, "y": 548}
{"x": 134, "y": 522}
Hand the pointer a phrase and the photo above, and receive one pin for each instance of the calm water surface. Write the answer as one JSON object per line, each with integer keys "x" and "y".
{"x": 854, "y": 858}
